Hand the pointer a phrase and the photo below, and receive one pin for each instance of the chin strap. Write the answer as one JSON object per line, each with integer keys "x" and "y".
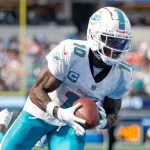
{"x": 110, "y": 61}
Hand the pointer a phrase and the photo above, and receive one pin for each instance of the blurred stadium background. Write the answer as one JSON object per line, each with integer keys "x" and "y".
{"x": 29, "y": 29}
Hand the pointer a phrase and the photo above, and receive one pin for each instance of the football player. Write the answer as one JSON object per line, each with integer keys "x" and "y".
{"x": 93, "y": 69}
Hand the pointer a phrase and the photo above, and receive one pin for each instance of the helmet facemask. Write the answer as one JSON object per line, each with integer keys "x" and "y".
{"x": 110, "y": 48}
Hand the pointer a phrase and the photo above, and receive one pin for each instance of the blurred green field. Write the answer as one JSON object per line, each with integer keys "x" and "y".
{"x": 99, "y": 147}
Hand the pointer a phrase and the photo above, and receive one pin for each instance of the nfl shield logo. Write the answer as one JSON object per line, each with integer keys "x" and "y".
{"x": 93, "y": 87}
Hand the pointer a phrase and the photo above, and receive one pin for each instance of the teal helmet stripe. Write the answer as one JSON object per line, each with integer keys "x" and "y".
{"x": 121, "y": 19}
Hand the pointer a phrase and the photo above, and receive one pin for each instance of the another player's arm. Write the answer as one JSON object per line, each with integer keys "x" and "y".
{"x": 44, "y": 84}
{"x": 112, "y": 107}
{"x": 2, "y": 128}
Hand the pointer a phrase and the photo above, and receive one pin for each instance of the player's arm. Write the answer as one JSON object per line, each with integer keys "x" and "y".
{"x": 44, "y": 84}
{"x": 112, "y": 107}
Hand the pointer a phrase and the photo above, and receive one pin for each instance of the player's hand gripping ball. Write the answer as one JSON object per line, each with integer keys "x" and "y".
{"x": 89, "y": 112}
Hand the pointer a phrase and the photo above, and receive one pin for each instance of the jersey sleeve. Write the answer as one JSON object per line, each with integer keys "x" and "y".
{"x": 123, "y": 85}
{"x": 58, "y": 61}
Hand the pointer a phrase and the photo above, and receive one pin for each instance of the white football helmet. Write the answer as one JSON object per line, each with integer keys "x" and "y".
{"x": 109, "y": 34}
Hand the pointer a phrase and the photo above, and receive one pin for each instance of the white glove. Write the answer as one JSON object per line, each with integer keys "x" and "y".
{"x": 5, "y": 117}
{"x": 42, "y": 142}
{"x": 67, "y": 115}
{"x": 103, "y": 121}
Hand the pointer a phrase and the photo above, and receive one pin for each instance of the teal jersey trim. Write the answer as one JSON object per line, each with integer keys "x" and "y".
{"x": 121, "y": 19}
{"x": 125, "y": 63}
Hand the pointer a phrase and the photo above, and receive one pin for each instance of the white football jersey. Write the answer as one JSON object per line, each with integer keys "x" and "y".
{"x": 69, "y": 62}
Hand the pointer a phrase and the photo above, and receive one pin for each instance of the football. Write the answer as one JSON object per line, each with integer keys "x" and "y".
{"x": 89, "y": 112}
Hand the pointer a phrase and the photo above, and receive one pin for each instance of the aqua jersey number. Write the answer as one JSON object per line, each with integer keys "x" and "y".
{"x": 79, "y": 50}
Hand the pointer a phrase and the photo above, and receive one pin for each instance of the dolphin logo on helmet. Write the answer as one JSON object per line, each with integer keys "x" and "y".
{"x": 95, "y": 18}
{"x": 109, "y": 34}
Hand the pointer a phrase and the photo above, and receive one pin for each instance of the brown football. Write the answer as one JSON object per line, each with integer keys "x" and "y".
{"x": 89, "y": 112}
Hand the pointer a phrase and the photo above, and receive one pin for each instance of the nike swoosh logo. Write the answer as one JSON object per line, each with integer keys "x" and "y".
{"x": 65, "y": 53}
